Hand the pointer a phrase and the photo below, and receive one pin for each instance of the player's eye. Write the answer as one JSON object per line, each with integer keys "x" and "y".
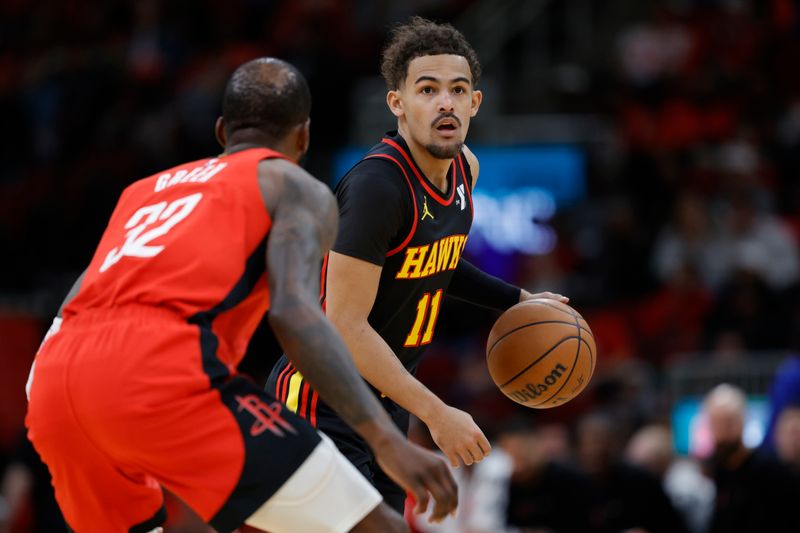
{"x": 427, "y": 90}
{"x": 459, "y": 90}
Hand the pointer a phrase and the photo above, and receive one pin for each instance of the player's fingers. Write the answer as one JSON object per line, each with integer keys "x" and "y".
{"x": 554, "y": 296}
{"x": 447, "y": 480}
{"x": 475, "y": 453}
{"x": 466, "y": 455}
{"x": 421, "y": 496}
{"x": 454, "y": 458}
{"x": 444, "y": 491}
{"x": 442, "y": 507}
{"x": 485, "y": 447}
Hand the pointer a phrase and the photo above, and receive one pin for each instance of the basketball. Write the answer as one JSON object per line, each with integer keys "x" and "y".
{"x": 541, "y": 353}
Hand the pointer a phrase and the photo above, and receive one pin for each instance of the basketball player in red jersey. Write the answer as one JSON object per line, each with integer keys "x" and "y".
{"x": 405, "y": 211}
{"x": 136, "y": 389}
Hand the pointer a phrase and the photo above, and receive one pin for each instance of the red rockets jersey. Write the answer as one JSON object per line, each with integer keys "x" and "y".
{"x": 191, "y": 240}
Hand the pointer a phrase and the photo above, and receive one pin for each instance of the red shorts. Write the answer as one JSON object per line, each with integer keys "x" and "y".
{"x": 120, "y": 407}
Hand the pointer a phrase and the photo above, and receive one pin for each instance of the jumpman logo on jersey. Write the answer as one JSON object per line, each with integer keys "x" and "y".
{"x": 267, "y": 417}
{"x": 425, "y": 211}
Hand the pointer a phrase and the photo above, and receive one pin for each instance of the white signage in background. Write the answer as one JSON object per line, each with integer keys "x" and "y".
{"x": 514, "y": 221}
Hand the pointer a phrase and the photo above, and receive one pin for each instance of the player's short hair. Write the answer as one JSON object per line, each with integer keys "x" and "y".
{"x": 421, "y": 37}
{"x": 267, "y": 94}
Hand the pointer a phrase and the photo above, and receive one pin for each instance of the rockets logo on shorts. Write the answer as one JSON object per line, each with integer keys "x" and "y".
{"x": 267, "y": 417}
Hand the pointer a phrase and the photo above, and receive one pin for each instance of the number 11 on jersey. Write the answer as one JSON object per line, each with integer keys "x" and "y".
{"x": 426, "y": 308}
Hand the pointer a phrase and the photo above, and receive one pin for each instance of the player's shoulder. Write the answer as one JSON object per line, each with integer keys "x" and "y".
{"x": 283, "y": 181}
{"x": 472, "y": 163}
{"x": 375, "y": 166}
{"x": 288, "y": 173}
{"x": 374, "y": 176}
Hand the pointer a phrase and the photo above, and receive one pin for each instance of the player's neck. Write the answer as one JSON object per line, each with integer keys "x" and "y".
{"x": 239, "y": 142}
{"x": 435, "y": 169}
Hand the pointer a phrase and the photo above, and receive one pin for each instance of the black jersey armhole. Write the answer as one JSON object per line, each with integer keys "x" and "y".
{"x": 413, "y": 229}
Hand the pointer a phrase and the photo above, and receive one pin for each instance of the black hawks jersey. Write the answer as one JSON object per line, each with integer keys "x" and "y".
{"x": 419, "y": 246}
{"x": 391, "y": 215}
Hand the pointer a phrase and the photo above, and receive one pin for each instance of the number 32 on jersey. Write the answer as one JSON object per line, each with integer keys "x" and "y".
{"x": 428, "y": 307}
{"x": 159, "y": 218}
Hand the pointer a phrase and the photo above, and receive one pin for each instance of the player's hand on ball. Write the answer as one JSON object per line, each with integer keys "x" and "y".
{"x": 458, "y": 436}
{"x": 421, "y": 472}
{"x": 525, "y": 295}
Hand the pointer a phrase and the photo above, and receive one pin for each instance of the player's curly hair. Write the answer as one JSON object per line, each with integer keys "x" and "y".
{"x": 421, "y": 37}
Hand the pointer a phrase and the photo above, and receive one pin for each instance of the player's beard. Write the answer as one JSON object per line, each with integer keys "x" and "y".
{"x": 444, "y": 151}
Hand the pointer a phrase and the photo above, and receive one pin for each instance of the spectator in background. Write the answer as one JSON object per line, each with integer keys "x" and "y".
{"x": 787, "y": 437}
{"x": 520, "y": 487}
{"x": 543, "y": 494}
{"x": 745, "y": 317}
{"x": 655, "y": 49}
{"x": 746, "y": 239}
{"x": 670, "y": 321}
{"x": 754, "y": 492}
{"x": 687, "y": 241}
{"x": 624, "y": 496}
{"x": 690, "y": 491}
{"x": 27, "y": 502}
{"x": 784, "y": 392}
{"x": 756, "y": 241}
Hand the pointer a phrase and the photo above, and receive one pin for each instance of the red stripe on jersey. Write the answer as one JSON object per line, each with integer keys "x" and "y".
{"x": 413, "y": 201}
{"x": 436, "y": 196}
{"x": 279, "y": 381}
{"x": 313, "y": 417}
{"x": 304, "y": 395}
{"x": 467, "y": 185}
{"x": 323, "y": 278}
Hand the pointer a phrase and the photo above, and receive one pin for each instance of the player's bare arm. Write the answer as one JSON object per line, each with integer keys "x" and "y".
{"x": 304, "y": 225}
{"x": 352, "y": 287}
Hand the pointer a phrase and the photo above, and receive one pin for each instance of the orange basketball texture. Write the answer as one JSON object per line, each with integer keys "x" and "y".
{"x": 541, "y": 353}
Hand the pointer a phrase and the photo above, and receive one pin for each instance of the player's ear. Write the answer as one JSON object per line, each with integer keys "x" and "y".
{"x": 219, "y": 132}
{"x": 395, "y": 103}
{"x": 477, "y": 98}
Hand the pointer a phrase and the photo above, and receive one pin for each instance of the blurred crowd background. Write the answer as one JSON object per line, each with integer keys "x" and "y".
{"x": 682, "y": 251}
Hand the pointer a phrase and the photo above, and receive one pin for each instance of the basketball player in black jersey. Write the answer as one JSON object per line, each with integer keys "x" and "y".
{"x": 405, "y": 211}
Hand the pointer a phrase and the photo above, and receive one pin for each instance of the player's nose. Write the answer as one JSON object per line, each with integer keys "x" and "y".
{"x": 445, "y": 102}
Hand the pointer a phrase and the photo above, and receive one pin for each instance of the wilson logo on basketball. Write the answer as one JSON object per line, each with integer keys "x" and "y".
{"x": 532, "y": 392}
{"x": 268, "y": 417}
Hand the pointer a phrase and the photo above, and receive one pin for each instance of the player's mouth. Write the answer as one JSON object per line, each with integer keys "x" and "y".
{"x": 447, "y": 127}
